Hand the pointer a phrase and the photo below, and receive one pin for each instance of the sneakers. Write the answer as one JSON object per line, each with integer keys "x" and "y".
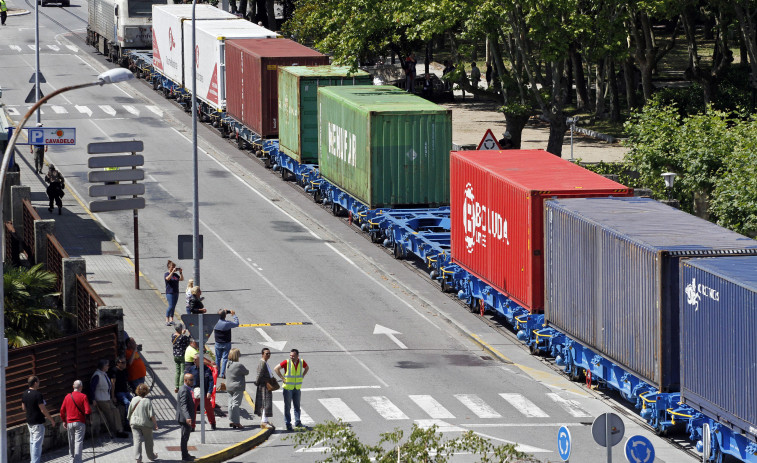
{"x": 289, "y": 427}
{"x": 213, "y": 426}
{"x": 298, "y": 425}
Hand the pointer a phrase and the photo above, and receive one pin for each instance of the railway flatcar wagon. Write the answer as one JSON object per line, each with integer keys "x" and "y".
{"x": 612, "y": 278}
{"x": 252, "y": 78}
{"x": 497, "y": 214}
{"x": 168, "y": 35}
{"x": 211, "y": 36}
{"x": 115, "y": 25}
{"x": 383, "y": 146}
{"x": 718, "y": 303}
{"x": 298, "y": 109}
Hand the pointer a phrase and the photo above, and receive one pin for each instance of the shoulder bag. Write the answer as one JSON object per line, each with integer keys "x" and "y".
{"x": 272, "y": 384}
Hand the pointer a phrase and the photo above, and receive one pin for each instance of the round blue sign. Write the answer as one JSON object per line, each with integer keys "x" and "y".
{"x": 563, "y": 443}
{"x": 639, "y": 450}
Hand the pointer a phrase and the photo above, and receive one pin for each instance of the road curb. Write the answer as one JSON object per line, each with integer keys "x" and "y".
{"x": 237, "y": 449}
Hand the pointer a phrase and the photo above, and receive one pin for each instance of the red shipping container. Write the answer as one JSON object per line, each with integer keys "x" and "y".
{"x": 497, "y": 214}
{"x": 252, "y": 91}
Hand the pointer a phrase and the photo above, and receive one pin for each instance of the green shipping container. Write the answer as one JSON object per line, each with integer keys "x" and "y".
{"x": 298, "y": 105}
{"x": 384, "y": 146}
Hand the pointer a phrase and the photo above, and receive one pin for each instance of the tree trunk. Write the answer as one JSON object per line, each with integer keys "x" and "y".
{"x": 613, "y": 81}
{"x": 427, "y": 62}
{"x": 599, "y": 97}
{"x": 514, "y": 125}
{"x": 557, "y": 129}
{"x": 582, "y": 94}
{"x": 271, "y": 14}
{"x": 630, "y": 83}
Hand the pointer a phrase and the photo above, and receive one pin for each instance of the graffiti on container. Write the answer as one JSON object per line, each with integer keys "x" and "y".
{"x": 694, "y": 293}
{"x": 342, "y": 144}
{"x": 480, "y": 222}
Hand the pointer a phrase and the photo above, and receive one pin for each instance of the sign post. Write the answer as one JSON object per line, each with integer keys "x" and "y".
{"x": 608, "y": 430}
{"x": 111, "y": 188}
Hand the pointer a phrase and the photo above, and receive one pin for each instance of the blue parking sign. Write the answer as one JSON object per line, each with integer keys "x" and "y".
{"x": 36, "y": 136}
{"x": 563, "y": 443}
{"x": 639, "y": 449}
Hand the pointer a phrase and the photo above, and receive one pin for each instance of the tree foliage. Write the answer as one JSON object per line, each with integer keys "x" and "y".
{"x": 29, "y": 305}
{"x": 421, "y": 445}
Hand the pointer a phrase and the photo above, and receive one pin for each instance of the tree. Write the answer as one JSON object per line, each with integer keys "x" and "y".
{"x": 422, "y": 445}
{"x": 29, "y": 305}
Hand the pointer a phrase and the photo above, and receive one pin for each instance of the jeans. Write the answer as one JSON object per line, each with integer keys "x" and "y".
{"x": 36, "y": 439}
{"x": 124, "y": 398}
{"x": 179, "y": 380}
{"x": 290, "y": 396}
{"x": 173, "y": 298}
{"x": 235, "y": 400}
{"x": 76, "y": 441}
{"x": 142, "y": 434}
{"x": 222, "y": 356}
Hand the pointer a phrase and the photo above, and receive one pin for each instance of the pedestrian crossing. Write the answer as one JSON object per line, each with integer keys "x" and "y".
{"x": 44, "y": 48}
{"x": 429, "y": 409}
{"x": 93, "y": 111}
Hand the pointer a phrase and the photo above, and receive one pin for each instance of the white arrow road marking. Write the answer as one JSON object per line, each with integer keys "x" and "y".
{"x": 275, "y": 345}
{"x": 72, "y": 48}
{"x": 59, "y": 109}
{"x": 31, "y": 47}
{"x": 16, "y": 47}
{"x": 107, "y": 109}
{"x": 524, "y": 406}
{"x": 84, "y": 110}
{"x": 53, "y": 47}
{"x": 156, "y": 110}
{"x": 340, "y": 410}
{"x": 314, "y": 449}
{"x": 477, "y": 405}
{"x": 570, "y": 406}
{"x": 390, "y": 333}
{"x": 432, "y": 407}
{"x": 304, "y": 417}
{"x": 385, "y": 408}
{"x": 131, "y": 109}
{"x": 12, "y": 111}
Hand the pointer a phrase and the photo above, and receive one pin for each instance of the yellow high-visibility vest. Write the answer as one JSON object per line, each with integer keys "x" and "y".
{"x": 293, "y": 376}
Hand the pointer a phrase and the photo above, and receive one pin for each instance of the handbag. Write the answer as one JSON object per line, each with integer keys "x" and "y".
{"x": 272, "y": 385}
{"x": 196, "y": 393}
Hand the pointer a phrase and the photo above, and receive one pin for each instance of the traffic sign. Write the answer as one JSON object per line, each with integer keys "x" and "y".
{"x": 51, "y": 136}
{"x": 192, "y": 322}
{"x": 127, "y": 189}
{"x": 128, "y": 160}
{"x": 186, "y": 248}
{"x": 32, "y": 96}
{"x": 134, "y": 146}
{"x": 489, "y": 142}
{"x": 563, "y": 443}
{"x": 128, "y": 175}
{"x": 639, "y": 449}
{"x": 599, "y": 429}
{"x": 41, "y": 79}
{"x": 120, "y": 204}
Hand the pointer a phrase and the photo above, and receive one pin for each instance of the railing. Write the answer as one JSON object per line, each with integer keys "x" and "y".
{"x": 58, "y": 364}
{"x": 87, "y": 302}
{"x": 12, "y": 247}
{"x": 55, "y": 256}
{"x": 29, "y": 216}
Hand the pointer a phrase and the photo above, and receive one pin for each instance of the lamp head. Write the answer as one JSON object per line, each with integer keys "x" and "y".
{"x": 670, "y": 178}
{"x": 114, "y": 75}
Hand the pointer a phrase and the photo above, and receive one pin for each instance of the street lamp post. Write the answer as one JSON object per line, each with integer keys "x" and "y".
{"x": 670, "y": 179}
{"x": 108, "y": 77}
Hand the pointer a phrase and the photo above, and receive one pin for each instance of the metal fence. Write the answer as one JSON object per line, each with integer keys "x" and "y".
{"x": 55, "y": 256}
{"x": 87, "y": 302}
{"x": 29, "y": 216}
{"x": 58, "y": 364}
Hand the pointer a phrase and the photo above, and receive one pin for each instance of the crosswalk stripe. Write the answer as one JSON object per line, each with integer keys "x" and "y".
{"x": 340, "y": 410}
{"x": 385, "y": 408}
{"x": 432, "y": 407}
{"x": 442, "y": 426}
{"x": 16, "y": 47}
{"x": 156, "y": 110}
{"x": 107, "y": 109}
{"x": 570, "y": 406}
{"x": 304, "y": 417}
{"x": 524, "y": 405}
{"x": 72, "y": 48}
{"x": 84, "y": 110}
{"x": 41, "y": 111}
{"x": 53, "y": 47}
{"x": 59, "y": 109}
{"x": 13, "y": 111}
{"x": 31, "y": 47}
{"x": 131, "y": 109}
{"x": 477, "y": 406}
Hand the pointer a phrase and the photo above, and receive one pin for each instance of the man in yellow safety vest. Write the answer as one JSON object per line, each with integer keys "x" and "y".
{"x": 3, "y": 12}
{"x": 294, "y": 372}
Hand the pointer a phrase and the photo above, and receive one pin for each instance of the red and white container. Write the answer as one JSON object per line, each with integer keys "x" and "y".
{"x": 252, "y": 78}
{"x": 497, "y": 214}
{"x": 210, "y": 46}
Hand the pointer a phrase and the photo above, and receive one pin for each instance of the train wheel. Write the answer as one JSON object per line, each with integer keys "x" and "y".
{"x": 316, "y": 196}
{"x": 534, "y": 349}
{"x": 398, "y": 252}
{"x": 241, "y": 144}
{"x": 258, "y": 153}
{"x": 575, "y": 374}
{"x": 284, "y": 174}
{"x": 335, "y": 209}
{"x": 445, "y": 286}
{"x": 473, "y": 305}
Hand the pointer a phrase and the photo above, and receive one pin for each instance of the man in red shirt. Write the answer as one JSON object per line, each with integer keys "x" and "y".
{"x": 73, "y": 414}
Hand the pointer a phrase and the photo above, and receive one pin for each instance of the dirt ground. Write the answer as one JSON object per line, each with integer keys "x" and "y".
{"x": 470, "y": 119}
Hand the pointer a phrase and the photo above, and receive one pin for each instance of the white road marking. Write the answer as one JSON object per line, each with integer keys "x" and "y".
{"x": 519, "y": 447}
{"x": 107, "y": 109}
{"x": 53, "y": 47}
{"x": 442, "y": 426}
{"x": 131, "y": 109}
{"x": 275, "y": 345}
{"x": 31, "y": 47}
{"x": 385, "y": 408}
{"x": 59, "y": 109}
{"x": 72, "y": 48}
{"x": 520, "y": 425}
{"x": 432, "y": 407}
{"x": 477, "y": 406}
{"x": 390, "y": 333}
{"x": 570, "y": 406}
{"x": 525, "y": 406}
{"x": 339, "y": 410}
{"x": 304, "y": 417}
{"x": 16, "y": 47}
{"x": 12, "y": 111}
{"x": 339, "y": 388}
{"x": 156, "y": 110}
{"x": 84, "y": 110}
{"x": 41, "y": 111}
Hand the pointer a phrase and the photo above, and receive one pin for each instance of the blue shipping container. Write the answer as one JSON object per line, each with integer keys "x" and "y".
{"x": 719, "y": 340}
{"x": 611, "y": 276}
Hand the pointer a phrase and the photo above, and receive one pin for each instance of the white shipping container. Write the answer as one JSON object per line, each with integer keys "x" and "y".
{"x": 167, "y": 32}
{"x": 210, "y": 53}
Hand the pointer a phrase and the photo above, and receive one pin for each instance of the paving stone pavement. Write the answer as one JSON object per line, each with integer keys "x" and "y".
{"x": 111, "y": 273}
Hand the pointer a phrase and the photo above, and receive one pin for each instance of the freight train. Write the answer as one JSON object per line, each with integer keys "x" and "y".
{"x": 622, "y": 292}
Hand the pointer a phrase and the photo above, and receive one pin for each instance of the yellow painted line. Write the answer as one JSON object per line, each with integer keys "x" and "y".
{"x": 249, "y": 400}
{"x": 237, "y": 449}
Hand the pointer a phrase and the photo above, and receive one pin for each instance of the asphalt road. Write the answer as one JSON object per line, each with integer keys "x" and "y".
{"x": 274, "y": 256}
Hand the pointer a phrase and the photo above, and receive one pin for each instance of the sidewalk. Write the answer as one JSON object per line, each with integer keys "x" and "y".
{"x": 111, "y": 274}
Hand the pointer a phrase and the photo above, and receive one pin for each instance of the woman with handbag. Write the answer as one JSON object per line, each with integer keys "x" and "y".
{"x": 142, "y": 421}
{"x": 265, "y": 386}
{"x": 180, "y": 340}
{"x": 235, "y": 381}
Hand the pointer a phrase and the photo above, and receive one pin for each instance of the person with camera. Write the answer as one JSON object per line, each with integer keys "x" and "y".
{"x": 135, "y": 366}
{"x": 173, "y": 276}
{"x": 222, "y": 333}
